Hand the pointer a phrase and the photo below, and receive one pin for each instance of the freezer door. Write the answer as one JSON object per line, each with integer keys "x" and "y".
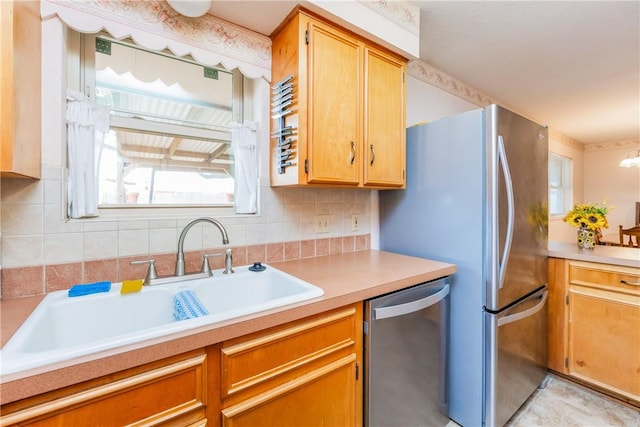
{"x": 516, "y": 356}
{"x": 517, "y": 198}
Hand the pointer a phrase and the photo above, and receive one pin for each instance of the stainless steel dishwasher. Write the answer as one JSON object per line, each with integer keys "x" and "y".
{"x": 406, "y": 336}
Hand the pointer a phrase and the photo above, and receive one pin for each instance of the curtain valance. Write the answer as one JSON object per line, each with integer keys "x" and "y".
{"x": 155, "y": 25}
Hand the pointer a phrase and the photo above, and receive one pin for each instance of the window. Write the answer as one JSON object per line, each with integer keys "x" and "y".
{"x": 169, "y": 139}
{"x": 560, "y": 184}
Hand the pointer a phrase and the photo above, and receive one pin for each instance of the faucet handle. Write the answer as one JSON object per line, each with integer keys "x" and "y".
{"x": 206, "y": 268}
{"x": 152, "y": 273}
{"x": 228, "y": 261}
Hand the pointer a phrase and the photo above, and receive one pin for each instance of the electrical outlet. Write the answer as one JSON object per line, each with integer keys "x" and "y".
{"x": 355, "y": 222}
{"x": 322, "y": 223}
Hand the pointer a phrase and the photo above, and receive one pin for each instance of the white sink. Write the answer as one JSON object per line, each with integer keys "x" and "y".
{"x": 63, "y": 328}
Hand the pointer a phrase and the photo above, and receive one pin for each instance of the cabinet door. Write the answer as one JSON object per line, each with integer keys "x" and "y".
{"x": 20, "y": 48}
{"x": 384, "y": 121}
{"x": 309, "y": 400}
{"x": 171, "y": 392}
{"x": 334, "y": 103}
{"x": 604, "y": 339}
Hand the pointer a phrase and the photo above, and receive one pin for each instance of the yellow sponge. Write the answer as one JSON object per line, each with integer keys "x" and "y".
{"x": 129, "y": 286}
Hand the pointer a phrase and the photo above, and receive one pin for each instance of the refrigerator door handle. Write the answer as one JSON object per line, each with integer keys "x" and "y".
{"x": 410, "y": 307}
{"x": 526, "y": 313}
{"x": 502, "y": 159}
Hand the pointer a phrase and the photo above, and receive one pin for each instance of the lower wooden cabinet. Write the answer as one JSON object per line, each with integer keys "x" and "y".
{"x": 594, "y": 333}
{"x": 306, "y": 373}
{"x": 169, "y": 392}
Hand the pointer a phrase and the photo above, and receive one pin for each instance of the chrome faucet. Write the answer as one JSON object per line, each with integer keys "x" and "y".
{"x": 180, "y": 271}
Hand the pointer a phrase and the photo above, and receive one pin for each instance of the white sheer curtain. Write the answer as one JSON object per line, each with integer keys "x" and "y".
{"x": 87, "y": 124}
{"x": 243, "y": 144}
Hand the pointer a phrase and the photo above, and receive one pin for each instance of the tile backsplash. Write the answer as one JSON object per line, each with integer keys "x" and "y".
{"x": 42, "y": 252}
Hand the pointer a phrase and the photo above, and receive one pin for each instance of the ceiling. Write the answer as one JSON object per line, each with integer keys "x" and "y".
{"x": 573, "y": 65}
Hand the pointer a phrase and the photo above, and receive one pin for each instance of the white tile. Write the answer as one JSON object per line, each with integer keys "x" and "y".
{"x": 336, "y": 208}
{"x": 133, "y": 242}
{"x": 323, "y": 195}
{"x": 256, "y": 234}
{"x": 60, "y": 248}
{"x": 274, "y": 195}
{"x": 308, "y": 230}
{"x": 22, "y": 191}
{"x": 274, "y": 232}
{"x": 163, "y": 240}
{"x": 258, "y": 218}
{"x": 292, "y": 213}
{"x": 22, "y": 251}
{"x": 20, "y": 220}
{"x": 162, "y": 223}
{"x": 212, "y": 236}
{"x": 53, "y": 191}
{"x": 193, "y": 240}
{"x": 307, "y": 195}
{"x": 52, "y": 173}
{"x": 133, "y": 225}
{"x": 237, "y": 235}
{"x": 292, "y": 231}
{"x": 55, "y": 223}
{"x": 307, "y": 211}
{"x": 291, "y": 195}
{"x": 99, "y": 225}
{"x": 100, "y": 245}
{"x": 275, "y": 212}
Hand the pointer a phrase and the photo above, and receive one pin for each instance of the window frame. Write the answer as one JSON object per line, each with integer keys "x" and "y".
{"x": 81, "y": 77}
{"x": 565, "y": 172}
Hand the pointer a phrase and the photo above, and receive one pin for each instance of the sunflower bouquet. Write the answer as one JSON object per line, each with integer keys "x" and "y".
{"x": 589, "y": 216}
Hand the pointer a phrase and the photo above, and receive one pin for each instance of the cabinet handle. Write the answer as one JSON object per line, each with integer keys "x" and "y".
{"x": 630, "y": 283}
{"x": 353, "y": 152}
{"x": 373, "y": 155}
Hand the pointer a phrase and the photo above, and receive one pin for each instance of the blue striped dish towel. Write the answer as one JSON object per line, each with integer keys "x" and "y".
{"x": 186, "y": 305}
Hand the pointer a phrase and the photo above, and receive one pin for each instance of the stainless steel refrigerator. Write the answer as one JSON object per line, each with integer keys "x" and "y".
{"x": 477, "y": 197}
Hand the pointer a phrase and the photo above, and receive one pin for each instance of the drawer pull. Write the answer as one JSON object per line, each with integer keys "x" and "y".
{"x": 630, "y": 283}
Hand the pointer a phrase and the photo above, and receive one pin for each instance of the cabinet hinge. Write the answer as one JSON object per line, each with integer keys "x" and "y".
{"x": 566, "y": 299}
{"x": 306, "y": 37}
{"x": 404, "y": 77}
{"x": 357, "y": 372}
{"x": 306, "y": 165}
{"x": 566, "y": 362}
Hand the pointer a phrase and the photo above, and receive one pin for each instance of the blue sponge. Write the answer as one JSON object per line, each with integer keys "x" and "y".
{"x": 89, "y": 288}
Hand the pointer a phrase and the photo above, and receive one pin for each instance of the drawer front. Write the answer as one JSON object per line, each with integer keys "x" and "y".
{"x": 169, "y": 394}
{"x": 604, "y": 276}
{"x": 264, "y": 360}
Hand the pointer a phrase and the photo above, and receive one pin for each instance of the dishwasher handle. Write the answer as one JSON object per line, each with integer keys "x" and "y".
{"x": 410, "y": 307}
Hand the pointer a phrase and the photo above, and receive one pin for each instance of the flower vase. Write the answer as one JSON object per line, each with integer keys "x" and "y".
{"x": 586, "y": 238}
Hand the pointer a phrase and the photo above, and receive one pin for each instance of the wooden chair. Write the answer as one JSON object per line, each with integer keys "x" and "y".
{"x": 633, "y": 233}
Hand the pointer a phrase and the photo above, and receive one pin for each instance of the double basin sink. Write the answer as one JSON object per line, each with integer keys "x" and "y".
{"x": 62, "y": 328}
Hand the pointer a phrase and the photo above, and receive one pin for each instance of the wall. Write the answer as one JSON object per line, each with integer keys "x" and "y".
{"x": 426, "y": 103}
{"x": 605, "y": 180}
{"x": 597, "y": 178}
{"x": 42, "y": 252}
{"x": 567, "y": 147}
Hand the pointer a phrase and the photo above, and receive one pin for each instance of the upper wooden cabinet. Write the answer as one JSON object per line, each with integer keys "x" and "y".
{"x": 20, "y": 48}
{"x": 347, "y": 110}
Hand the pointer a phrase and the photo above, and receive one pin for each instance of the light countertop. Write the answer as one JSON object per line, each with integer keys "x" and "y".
{"x": 616, "y": 255}
{"x": 345, "y": 278}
